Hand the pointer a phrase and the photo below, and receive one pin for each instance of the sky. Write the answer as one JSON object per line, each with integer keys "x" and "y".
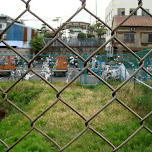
{"x": 50, "y": 9}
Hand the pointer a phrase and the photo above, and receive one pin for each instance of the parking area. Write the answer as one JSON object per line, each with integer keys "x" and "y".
{"x": 64, "y": 68}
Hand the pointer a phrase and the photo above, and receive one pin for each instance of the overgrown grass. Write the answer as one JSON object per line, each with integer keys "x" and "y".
{"x": 20, "y": 95}
{"x": 62, "y": 124}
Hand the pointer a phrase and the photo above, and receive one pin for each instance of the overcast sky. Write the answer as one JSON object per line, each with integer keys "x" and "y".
{"x": 50, "y": 9}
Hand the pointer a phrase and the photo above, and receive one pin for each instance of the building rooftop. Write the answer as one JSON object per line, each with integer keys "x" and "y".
{"x": 133, "y": 21}
{"x": 8, "y": 18}
{"x": 82, "y": 25}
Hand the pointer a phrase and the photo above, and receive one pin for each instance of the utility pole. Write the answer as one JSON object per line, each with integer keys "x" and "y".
{"x": 96, "y": 8}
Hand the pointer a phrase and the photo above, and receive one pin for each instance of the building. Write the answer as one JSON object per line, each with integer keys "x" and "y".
{"x": 136, "y": 33}
{"x": 122, "y": 8}
{"x": 74, "y": 28}
{"x": 83, "y": 46}
{"x": 17, "y": 36}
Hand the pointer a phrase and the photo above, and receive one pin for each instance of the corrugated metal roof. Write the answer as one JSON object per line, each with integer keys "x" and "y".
{"x": 134, "y": 20}
{"x": 18, "y": 44}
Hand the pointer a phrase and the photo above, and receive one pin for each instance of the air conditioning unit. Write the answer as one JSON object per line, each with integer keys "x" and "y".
{"x": 4, "y": 36}
{"x": 2, "y": 26}
{"x": 132, "y": 29}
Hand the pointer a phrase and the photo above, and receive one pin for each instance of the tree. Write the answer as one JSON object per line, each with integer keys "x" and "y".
{"x": 43, "y": 30}
{"x": 62, "y": 33}
{"x": 99, "y": 28}
{"x": 89, "y": 35}
{"x": 36, "y": 43}
{"x": 49, "y": 35}
{"x": 58, "y": 20}
{"x": 82, "y": 35}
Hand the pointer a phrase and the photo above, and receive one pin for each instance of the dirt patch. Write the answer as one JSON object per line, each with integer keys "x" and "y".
{"x": 2, "y": 114}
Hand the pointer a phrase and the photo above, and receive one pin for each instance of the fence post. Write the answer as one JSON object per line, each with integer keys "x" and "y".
{"x": 100, "y": 67}
{"x": 125, "y": 65}
{"x": 146, "y": 60}
{"x": 85, "y": 73}
{"x": 134, "y": 82}
{"x": 80, "y": 70}
{"x": 134, "y": 63}
{"x": 51, "y": 68}
{"x": 23, "y": 68}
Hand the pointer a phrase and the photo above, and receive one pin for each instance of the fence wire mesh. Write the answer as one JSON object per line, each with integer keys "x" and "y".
{"x": 86, "y": 67}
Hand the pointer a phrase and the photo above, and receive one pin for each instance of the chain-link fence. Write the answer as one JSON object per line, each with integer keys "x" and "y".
{"x": 140, "y": 61}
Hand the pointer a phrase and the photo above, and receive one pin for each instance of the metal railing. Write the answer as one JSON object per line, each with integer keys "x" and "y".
{"x": 86, "y": 67}
{"x": 78, "y": 42}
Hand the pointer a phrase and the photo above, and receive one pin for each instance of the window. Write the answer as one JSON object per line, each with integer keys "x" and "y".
{"x": 144, "y": 13}
{"x": 0, "y": 25}
{"x": 106, "y": 19}
{"x": 121, "y": 11}
{"x": 109, "y": 16}
{"x": 131, "y": 10}
{"x": 129, "y": 37}
{"x": 150, "y": 37}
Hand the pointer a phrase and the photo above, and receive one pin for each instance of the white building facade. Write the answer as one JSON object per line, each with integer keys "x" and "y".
{"x": 123, "y": 8}
{"x": 77, "y": 27}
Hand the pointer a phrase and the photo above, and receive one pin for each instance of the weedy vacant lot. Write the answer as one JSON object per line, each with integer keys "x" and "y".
{"x": 62, "y": 124}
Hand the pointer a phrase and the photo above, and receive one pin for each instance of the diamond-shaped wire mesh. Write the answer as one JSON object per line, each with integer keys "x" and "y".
{"x": 86, "y": 67}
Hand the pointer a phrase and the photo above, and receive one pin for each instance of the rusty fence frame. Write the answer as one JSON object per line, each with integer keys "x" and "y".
{"x": 86, "y": 67}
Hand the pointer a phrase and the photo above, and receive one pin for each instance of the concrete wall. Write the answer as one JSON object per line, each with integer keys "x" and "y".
{"x": 50, "y": 50}
{"x": 64, "y": 51}
{"x": 7, "y": 51}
